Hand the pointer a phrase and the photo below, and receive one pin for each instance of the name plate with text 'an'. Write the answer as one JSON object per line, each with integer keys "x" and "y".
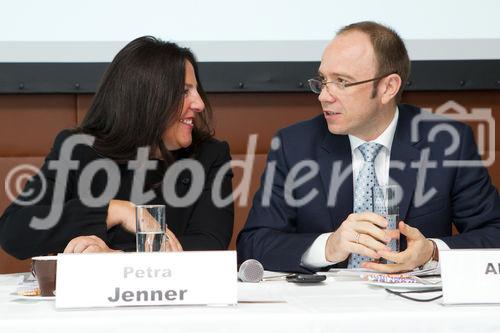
{"x": 130, "y": 279}
{"x": 470, "y": 276}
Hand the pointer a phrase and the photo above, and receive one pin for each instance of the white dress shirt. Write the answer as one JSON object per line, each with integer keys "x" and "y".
{"x": 315, "y": 257}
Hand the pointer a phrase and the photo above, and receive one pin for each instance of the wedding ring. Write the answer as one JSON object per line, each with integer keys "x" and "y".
{"x": 357, "y": 237}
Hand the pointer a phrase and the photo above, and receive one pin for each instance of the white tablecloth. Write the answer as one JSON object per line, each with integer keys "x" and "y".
{"x": 338, "y": 305}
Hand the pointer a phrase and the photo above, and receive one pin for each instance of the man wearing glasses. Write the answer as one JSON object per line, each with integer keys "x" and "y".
{"x": 313, "y": 209}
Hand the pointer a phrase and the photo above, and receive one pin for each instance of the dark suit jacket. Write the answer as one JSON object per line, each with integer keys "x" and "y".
{"x": 200, "y": 226}
{"x": 279, "y": 234}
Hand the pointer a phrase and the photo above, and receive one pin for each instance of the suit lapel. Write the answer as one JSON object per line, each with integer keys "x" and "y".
{"x": 403, "y": 152}
{"x": 334, "y": 159}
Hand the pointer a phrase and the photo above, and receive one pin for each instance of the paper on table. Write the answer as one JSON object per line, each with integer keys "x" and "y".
{"x": 426, "y": 272}
{"x": 351, "y": 272}
{"x": 358, "y": 272}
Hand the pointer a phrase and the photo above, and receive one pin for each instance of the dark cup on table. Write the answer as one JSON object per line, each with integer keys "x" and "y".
{"x": 44, "y": 269}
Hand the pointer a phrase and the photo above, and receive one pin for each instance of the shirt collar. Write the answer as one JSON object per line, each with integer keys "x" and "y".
{"x": 385, "y": 139}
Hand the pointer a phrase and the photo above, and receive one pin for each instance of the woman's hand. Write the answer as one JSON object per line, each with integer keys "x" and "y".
{"x": 121, "y": 212}
{"x": 87, "y": 244}
{"x": 173, "y": 243}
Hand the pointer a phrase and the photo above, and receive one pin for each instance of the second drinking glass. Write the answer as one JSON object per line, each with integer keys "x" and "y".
{"x": 386, "y": 203}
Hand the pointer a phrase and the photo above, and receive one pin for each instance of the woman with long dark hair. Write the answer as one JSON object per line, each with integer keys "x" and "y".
{"x": 149, "y": 98}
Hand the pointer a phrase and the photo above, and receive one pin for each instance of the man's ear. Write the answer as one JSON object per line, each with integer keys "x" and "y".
{"x": 389, "y": 87}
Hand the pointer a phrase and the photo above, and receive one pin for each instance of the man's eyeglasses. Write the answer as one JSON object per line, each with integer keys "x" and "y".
{"x": 317, "y": 85}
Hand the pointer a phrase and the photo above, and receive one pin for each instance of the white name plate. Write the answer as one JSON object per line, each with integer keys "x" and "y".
{"x": 470, "y": 276}
{"x": 131, "y": 279}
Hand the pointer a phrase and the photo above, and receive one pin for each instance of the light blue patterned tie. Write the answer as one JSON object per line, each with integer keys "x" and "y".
{"x": 363, "y": 190}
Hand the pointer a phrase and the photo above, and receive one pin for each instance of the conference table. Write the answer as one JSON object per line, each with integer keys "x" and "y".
{"x": 340, "y": 304}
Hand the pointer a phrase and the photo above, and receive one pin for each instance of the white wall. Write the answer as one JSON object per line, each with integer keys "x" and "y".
{"x": 240, "y": 30}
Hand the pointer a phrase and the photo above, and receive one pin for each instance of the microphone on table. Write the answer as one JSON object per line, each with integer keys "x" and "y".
{"x": 251, "y": 271}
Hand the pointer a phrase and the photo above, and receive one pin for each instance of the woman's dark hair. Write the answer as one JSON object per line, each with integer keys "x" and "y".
{"x": 140, "y": 95}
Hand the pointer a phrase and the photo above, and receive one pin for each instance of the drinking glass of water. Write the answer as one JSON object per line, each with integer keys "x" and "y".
{"x": 386, "y": 203}
{"x": 151, "y": 228}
